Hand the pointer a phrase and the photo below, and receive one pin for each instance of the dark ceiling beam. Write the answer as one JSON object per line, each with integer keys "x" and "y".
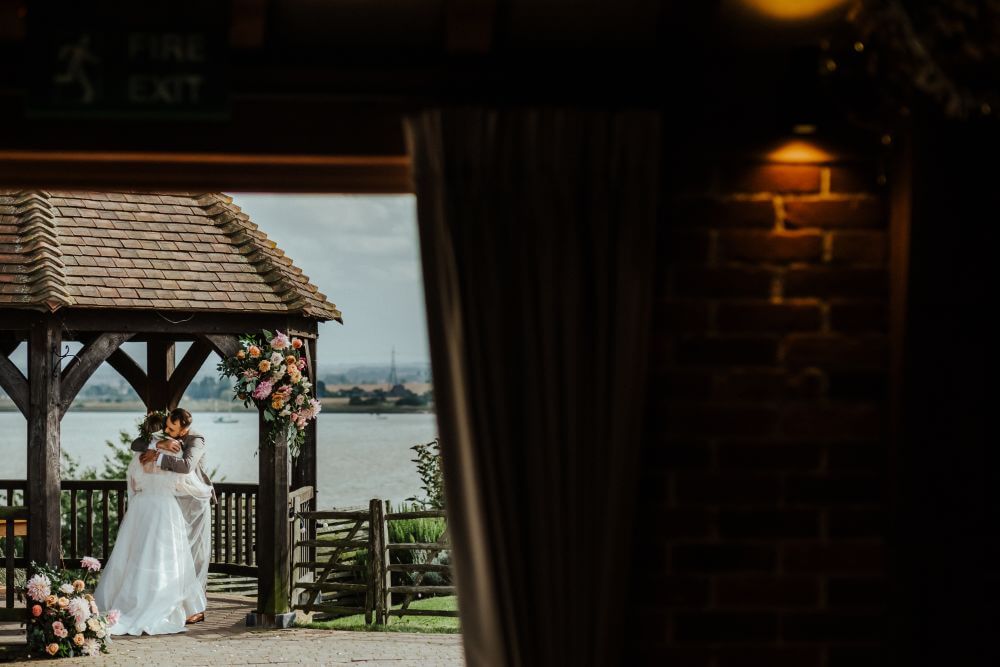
{"x": 349, "y": 174}
{"x": 248, "y": 24}
{"x": 469, "y": 26}
{"x": 78, "y": 371}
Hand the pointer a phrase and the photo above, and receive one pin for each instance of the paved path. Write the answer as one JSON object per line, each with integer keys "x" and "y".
{"x": 224, "y": 639}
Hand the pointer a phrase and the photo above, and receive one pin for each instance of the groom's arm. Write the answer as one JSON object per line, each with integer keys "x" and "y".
{"x": 189, "y": 461}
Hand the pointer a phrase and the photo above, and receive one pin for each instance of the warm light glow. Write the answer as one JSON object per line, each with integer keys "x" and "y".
{"x": 798, "y": 151}
{"x": 793, "y": 10}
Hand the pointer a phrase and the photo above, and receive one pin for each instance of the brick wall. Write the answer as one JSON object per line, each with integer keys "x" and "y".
{"x": 763, "y": 492}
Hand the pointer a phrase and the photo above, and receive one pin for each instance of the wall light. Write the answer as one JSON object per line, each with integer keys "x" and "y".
{"x": 797, "y": 151}
{"x": 792, "y": 10}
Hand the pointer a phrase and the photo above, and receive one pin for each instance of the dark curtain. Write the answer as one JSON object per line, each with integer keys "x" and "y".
{"x": 536, "y": 231}
{"x": 946, "y": 542}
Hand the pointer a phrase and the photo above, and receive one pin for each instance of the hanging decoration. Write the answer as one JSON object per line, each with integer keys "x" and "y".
{"x": 269, "y": 372}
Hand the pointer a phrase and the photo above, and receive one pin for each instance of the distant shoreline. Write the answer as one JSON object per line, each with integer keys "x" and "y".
{"x": 330, "y": 405}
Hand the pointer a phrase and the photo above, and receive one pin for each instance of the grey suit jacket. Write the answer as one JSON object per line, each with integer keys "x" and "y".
{"x": 192, "y": 457}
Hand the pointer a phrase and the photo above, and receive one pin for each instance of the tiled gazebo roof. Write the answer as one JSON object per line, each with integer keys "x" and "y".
{"x": 145, "y": 251}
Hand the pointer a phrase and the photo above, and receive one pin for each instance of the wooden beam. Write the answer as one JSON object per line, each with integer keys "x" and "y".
{"x": 168, "y": 170}
{"x": 273, "y": 536}
{"x": 226, "y": 346}
{"x": 159, "y": 368}
{"x": 131, "y": 371}
{"x": 44, "y": 352}
{"x": 469, "y": 26}
{"x": 181, "y": 378}
{"x": 83, "y": 365}
{"x": 181, "y": 323}
{"x": 14, "y": 383}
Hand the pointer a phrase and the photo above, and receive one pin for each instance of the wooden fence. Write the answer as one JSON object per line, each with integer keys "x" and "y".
{"x": 350, "y": 569}
{"x": 91, "y": 511}
{"x": 341, "y": 565}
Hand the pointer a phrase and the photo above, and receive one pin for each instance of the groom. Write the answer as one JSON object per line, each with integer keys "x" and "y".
{"x": 196, "y": 511}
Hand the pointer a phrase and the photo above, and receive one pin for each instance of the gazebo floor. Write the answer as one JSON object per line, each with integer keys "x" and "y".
{"x": 224, "y": 639}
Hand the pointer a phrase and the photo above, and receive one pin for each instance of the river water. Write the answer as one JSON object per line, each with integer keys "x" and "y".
{"x": 360, "y": 456}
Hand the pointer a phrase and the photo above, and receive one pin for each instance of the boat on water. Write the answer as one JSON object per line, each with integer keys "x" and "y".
{"x": 226, "y": 420}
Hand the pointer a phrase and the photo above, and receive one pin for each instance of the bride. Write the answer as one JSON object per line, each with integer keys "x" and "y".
{"x": 150, "y": 576}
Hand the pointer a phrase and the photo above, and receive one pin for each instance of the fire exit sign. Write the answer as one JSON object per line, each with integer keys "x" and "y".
{"x": 87, "y": 64}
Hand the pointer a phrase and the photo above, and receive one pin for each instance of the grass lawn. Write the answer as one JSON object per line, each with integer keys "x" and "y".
{"x": 443, "y": 624}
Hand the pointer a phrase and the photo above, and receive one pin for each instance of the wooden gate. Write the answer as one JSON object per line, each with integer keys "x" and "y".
{"x": 344, "y": 566}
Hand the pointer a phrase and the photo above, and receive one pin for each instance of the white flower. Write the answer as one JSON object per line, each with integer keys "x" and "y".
{"x": 80, "y": 627}
{"x": 39, "y": 587}
{"x": 67, "y": 589}
{"x": 79, "y": 608}
{"x": 276, "y": 358}
{"x": 92, "y": 623}
{"x": 91, "y": 647}
{"x": 100, "y": 634}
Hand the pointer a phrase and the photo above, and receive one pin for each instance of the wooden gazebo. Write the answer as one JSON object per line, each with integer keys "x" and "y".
{"x": 103, "y": 268}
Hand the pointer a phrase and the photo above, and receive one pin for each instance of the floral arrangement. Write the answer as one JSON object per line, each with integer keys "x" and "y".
{"x": 268, "y": 369}
{"x": 63, "y": 618}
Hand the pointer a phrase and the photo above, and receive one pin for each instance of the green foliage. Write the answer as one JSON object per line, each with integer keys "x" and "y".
{"x": 429, "y": 468}
{"x": 437, "y": 624}
{"x": 417, "y": 531}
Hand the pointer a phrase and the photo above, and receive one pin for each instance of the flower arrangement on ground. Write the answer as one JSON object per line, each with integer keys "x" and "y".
{"x": 269, "y": 370}
{"x": 63, "y": 618}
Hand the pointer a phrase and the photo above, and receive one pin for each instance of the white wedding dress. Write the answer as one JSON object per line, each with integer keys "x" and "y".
{"x": 150, "y": 576}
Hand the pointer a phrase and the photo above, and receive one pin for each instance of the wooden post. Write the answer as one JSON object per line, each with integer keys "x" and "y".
{"x": 378, "y": 540}
{"x": 160, "y": 362}
{"x": 273, "y": 535}
{"x": 44, "y": 366}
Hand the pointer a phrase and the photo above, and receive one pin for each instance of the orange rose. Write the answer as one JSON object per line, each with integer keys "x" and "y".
{"x": 291, "y": 360}
{"x": 63, "y": 602}
{"x": 78, "y": 639}
{"x": 52, "y": 649}
{"x": 78, "y": 585}
{"x": 296, "y": 343}
{"x": 254, "y": 351}
{"x": 36, "y": 610}
{"x": 51, "y": 600}
{"x": 241, "y": 355}
{"x": 264, "y": 366}
{"x": 277, "y": 404}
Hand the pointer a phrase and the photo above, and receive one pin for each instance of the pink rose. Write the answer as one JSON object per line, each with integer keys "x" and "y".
{"x": 36, "y": 610}
{"x": 59, "y": 630}
{"x": 302, "y": 364}
{"x": 113, "y": 616}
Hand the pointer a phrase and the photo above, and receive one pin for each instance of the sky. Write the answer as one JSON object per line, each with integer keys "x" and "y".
{"x": 363, "y": 253}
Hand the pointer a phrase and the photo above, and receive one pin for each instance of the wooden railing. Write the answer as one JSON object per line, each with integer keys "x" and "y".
{"x": 234, "y": 530}
{"x": 91, "y": 511}
{"x": 350, "y": 571}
